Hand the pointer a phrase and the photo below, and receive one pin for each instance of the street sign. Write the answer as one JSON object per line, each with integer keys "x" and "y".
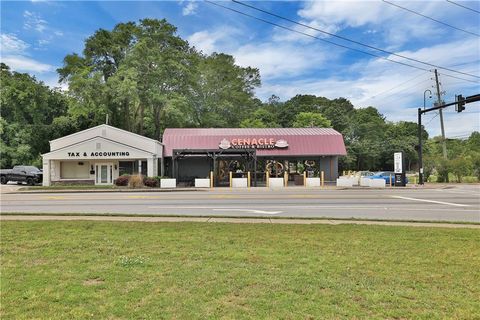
{"x": 398, "y": 162}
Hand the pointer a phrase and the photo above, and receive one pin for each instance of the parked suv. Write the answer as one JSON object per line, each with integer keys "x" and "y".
{"x": 29, "y": 174}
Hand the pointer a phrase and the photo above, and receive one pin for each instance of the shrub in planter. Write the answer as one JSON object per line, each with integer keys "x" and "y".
{"x": 135, "y": 181}
{"x": 122, "y": 181}
{"x": 151, "y": 182}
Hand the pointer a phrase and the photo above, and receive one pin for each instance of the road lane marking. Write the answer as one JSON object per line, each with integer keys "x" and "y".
{"x": 432, "y": 201}
{"x": 463, "y": 192}
{"x": 313, "y": 208}
{"x": 55, "y": 198}
{"x": 250, "y": 210}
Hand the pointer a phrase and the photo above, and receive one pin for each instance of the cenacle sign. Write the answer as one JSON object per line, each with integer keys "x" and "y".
{"x": 253, "y": 143}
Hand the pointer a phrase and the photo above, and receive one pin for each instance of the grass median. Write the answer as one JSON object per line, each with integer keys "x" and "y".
{"x": 125, "y": 270}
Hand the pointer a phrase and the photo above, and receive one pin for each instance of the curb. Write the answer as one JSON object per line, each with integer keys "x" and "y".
{"x": 103, "y": 190}
{"x": 236, "y": 220}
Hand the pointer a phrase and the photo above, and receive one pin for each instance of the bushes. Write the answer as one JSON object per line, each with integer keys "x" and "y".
{"x": 151, "y": 182}
{"x": 122, "y": 181}
{"x": 137, "y": 181}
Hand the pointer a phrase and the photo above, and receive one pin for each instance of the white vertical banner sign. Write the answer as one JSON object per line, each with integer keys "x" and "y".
{"x": 398, "y": 162}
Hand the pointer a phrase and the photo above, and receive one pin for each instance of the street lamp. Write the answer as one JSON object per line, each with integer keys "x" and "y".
{"x": 424, "y": 98}
{"x": 420, "y": 156}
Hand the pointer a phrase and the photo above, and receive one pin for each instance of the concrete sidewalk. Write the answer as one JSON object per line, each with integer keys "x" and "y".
{"x": 233, "y": 220}
{"x": 17, "y": 189}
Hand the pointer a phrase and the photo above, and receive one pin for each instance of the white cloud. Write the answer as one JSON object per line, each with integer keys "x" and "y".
{"x": 272, "y": 59}
{"x": 281, "y": 34}
{"x": 51, "y": 79}
{"x": 43, "y": 42}
{"x": 397, "y": 27}
{"x": 395, "y": 90}
{"x": 279, "y": 60}
{"x": 34, "y": 21}
{"x": 190, "y": 8}
{"x": 205, "y": 40}
{"x": 24, "y": 64}
{"x": 349, "y": 13}
{"x": 9, "y": 43}
{"x": 222, "y": 39}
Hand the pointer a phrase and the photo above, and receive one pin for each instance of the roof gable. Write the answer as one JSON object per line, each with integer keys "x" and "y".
{"x": 97, "y": 147}
{"x": 111, "y": 133}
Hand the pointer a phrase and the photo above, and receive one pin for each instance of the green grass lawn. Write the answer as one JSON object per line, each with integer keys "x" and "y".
{"x": 131, "y": 270}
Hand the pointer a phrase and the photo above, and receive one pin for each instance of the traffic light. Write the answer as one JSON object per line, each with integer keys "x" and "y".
{"x": 460, "y": 103}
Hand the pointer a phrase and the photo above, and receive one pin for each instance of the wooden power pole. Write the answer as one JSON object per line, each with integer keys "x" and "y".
{"x": 439, "y": 103}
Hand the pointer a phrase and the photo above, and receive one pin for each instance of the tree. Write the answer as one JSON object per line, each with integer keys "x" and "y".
{"x": 460, "y": 167}
{"x": 146, "y": 78}
{"x": 311, "y": 119}
{"x": 298, "y": 104}
{"x": 223, "y": 93}
{"x": 366, "y": 138}
{"x": 261, "y": 118}
{"x": 28, "y": 108}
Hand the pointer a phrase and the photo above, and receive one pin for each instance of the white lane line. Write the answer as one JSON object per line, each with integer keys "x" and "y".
{"x": 252, "y": 211}
{"x": 432, "y": 201}
{"x": 312, "y": 208}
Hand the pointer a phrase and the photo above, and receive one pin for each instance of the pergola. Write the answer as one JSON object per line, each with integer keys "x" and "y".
{"x": 249, "y": 155}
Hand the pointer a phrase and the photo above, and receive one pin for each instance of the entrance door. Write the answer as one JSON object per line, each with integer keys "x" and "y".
{"x": 103, "y": 173}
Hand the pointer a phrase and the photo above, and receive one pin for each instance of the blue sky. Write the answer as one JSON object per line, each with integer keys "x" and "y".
{"x": 36, "y": 36}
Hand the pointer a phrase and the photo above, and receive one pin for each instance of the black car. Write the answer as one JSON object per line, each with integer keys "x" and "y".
{"x": 29, "y": 174}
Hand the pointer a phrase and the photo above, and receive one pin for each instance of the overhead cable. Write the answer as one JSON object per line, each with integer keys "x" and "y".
{"x": 351, "y": 40}
{"x": 427, "y": 17}
{"x": 461, "y": 5}
{"x": 331, "y": 42}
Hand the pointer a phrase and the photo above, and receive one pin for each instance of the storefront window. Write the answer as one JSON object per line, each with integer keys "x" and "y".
{"x": 128, "y": 167}
{"x": 131, "y": 167}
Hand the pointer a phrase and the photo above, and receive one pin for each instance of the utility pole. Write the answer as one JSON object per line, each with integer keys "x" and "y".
{"x": 459, "y": 103}
{"x": 439, "y": 103}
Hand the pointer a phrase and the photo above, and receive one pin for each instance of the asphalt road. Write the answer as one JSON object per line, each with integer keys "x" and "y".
{"x": 459, "y": 203}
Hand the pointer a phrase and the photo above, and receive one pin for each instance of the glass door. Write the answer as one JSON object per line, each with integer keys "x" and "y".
{"x": 103, "y": 173}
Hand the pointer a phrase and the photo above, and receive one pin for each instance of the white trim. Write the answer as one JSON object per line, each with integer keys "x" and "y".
{"x": 104, "y": 126}
{"x": 47, "y": 155}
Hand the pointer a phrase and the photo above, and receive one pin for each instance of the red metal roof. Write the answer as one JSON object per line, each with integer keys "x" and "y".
{"x": 301, "y": 141}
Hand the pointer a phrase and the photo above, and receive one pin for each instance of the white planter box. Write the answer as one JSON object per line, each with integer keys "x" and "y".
{"x": 239, "y": 182}
{"x": 377, "y": 183}
{"x": 168, "y": 183}
{"x": 313, "y": 182}
{"x": 365, "y": 182}
{"x": 344, "y": 182}
{"x": 202, "y": 183}
{"x": 276, "y": 183}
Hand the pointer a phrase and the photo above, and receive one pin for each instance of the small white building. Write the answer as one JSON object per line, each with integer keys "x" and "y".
{"x": 99, "y": 155}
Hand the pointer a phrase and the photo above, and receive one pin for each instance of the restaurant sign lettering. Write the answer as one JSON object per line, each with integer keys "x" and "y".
{"x": 253, "y": 143}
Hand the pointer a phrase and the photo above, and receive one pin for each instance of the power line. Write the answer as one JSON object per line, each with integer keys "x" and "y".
{"x": 395, "y": 87}
{"x": 431, "y": 119}
{"x": 388, "y": 97}
{"x": 331, "y": 42}
{"x": 350, "y": 40}
{"x": 460, "y": 5}
{"x": 427, "y": 17}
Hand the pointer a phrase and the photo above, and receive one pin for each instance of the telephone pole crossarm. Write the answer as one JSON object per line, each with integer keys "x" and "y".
{"x": 469, "y": 99}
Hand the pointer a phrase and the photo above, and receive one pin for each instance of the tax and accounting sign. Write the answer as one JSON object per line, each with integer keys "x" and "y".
{"x": 398, "y": 162}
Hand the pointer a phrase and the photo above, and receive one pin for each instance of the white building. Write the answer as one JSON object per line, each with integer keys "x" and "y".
{"x": 99, "y": 155}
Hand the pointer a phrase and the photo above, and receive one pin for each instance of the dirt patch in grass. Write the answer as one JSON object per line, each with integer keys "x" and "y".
{"x": 93, "y": 282}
